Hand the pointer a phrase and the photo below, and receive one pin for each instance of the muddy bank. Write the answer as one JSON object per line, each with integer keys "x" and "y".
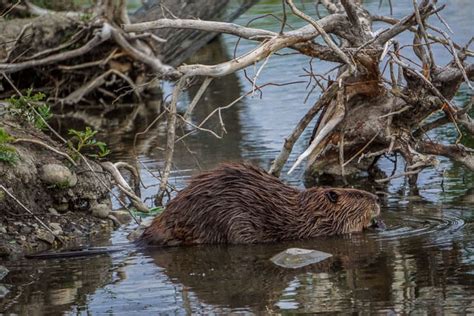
{"x": 49, "y": 200}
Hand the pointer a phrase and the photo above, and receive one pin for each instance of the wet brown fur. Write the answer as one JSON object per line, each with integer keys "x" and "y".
{"x": 240, "y": 203}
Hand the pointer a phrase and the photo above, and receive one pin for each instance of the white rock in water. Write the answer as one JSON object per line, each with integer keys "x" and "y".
{"x": 294, "y": 258}
{"x": 3, "y": 291}
{"x": 137, "y": 232}
{"x": 58, "y": 175}
{"x": 3, "y": 272}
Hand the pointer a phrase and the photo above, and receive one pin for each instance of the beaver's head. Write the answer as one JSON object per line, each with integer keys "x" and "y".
{"x": 331, "y": 211}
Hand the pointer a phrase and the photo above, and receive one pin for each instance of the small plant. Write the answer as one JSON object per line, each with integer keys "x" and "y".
{"x": 7, "y": 153}
{"x": 85, "y": 142}
{"x": 31, "y": 108}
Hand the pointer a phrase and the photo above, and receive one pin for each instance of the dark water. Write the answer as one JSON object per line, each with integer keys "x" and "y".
{"x": 422, "y": 264}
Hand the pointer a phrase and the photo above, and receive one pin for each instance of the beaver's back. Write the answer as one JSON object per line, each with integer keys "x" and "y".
{"x": 234, "y": 203}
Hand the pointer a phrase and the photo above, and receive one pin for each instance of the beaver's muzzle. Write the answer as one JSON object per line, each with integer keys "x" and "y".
{"x": 376, "y": 222}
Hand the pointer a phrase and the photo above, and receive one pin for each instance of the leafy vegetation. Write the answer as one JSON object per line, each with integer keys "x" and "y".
{"x": 7, "y": 153}
{"x": 84, "y": 142}
{"x": 31, "y": 108}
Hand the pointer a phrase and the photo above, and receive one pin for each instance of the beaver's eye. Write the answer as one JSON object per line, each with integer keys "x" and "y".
{"x": 332, "y": 196}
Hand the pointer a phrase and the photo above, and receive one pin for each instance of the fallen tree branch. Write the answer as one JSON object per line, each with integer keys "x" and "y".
{"x": 336, "y": 115}
{"x": 280, "y": 160}
{"x": 78, "y": 95}
{"x": 99, "y": 38}
{"x": 214, "y": 26}
{"x": 457, "y": 152}
{"x": 124, "y": 186}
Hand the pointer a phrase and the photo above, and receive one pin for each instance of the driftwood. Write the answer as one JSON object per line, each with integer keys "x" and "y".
{"x": 75, "y": 55}
{"x": 363, "y": 114}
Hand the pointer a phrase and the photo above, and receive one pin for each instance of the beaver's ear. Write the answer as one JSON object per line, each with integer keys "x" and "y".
{"x": 332, "y": 196}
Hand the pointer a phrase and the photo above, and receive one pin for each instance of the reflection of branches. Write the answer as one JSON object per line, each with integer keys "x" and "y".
{"x": 237, "y": 100}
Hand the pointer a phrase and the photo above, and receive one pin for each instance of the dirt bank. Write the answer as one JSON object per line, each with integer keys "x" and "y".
{"x": 61, "y": 203}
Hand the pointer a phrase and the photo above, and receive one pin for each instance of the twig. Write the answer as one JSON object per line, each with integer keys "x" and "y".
{"x": 197, "y": 97}
{"x": 451, "y": 108}
{"x": 407, "y": 107}
{"x": 341, "y": 158}
{"x": 146, "y": 131}
{"x": 72, "y": 40}
{"x": 327, "y": 39}
{"x": 362, "y": 149}
{"x": 38, "y": 142}
{"x": 99, "y": 38}
{"x": 423, "y": 33}
{"x": 170, "y": 138}
{"x": 32, "y": 214}
{"x": 124, "y": 187}
{"x": 154, "y": 63}
{"x": 403, "y": 174}
{"x": 10, "y": 9}
{"x": 93, "y": 84}
{"x": 254, "y": 81}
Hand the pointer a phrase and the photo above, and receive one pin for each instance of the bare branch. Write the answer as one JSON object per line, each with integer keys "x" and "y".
{"x": 220, "y": 27}
{"x": 170, "y": 138}
{"x": 290, "y": 141}
{"x": 457, "y": 152}
{"x": 327, "y": 39}
{"x": 99, "y": 38}
{"x": 336, "y": 116}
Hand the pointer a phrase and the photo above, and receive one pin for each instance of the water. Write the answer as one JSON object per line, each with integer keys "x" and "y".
{"x": 422, "y": 264}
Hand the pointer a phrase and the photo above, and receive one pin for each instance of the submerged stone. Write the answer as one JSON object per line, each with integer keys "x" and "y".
{"x": 45, "y": 236}
{"x": 3, "y": 291}
{"x": 294, "y": 258}
{"x": 3, "y": 272}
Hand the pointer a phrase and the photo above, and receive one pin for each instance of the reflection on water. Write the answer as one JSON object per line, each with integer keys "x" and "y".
{"x": 423, "y": 262}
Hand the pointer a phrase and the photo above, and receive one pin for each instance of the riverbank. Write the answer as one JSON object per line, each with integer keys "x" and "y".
{"x": 46, "y": 199}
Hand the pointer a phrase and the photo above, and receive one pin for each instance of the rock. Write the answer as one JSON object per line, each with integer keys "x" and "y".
{"x": 58, "y": 175}
{"x": 62, "y": 208}
{"x": 25, "y": 230}
{"x": 45, "y": 235}
{"x": 3, "y": 291}
{"x": 137, "y": 232}
{"x": 100, "y": 210}
{"x": 296, "y": 257}
{"x": 53, "y": 211}
{"x": 123, "y": 217}
{"x": 5, "y": 251}
{"x": 3, "y": 272}
{"x": 56, "y": 228}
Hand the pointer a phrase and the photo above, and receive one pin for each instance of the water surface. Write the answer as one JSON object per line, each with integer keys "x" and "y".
{"x": 423, "y": 263}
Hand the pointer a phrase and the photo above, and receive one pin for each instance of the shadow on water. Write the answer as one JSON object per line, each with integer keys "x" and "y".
{"x": 423, "y": 263}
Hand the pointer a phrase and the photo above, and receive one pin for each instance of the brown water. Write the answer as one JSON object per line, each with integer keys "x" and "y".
{"x": 422, "y": 264}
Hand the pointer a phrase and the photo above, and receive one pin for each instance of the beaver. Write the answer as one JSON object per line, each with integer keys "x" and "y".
{"x": 243, "y": 204}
